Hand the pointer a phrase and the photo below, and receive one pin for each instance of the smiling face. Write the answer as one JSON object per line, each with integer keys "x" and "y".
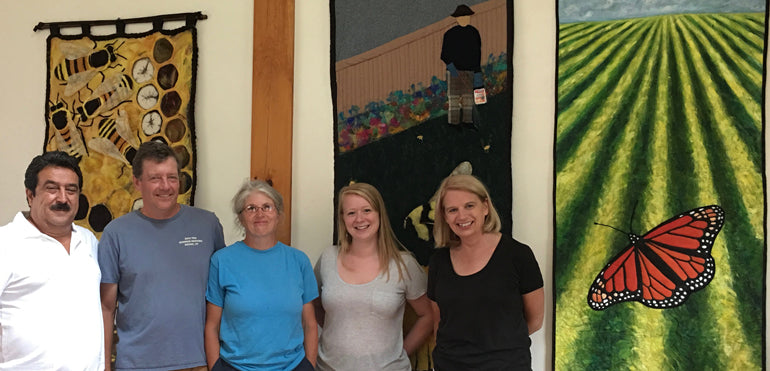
{"x": 55, "y": 200}
{"x": 259, "y": 216}
{"x": 465, "y": 213}
{"x": 361, "y": 220}
{"x": 159, "y": 185}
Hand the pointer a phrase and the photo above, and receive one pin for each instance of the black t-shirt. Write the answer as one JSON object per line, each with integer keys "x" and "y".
{"x": 482, "y": 324}
{"x": 462, "y": 46}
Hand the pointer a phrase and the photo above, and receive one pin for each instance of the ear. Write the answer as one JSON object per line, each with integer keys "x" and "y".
{"x": 30, "y": 196}
{"x": 136, "y": 181}
{"x": 486, "y": 207}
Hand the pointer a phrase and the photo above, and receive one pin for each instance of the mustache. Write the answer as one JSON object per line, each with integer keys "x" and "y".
{"x": 60, "y": 206}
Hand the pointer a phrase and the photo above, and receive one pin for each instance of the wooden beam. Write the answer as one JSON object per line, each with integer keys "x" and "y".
{"x": 272, "y": 100}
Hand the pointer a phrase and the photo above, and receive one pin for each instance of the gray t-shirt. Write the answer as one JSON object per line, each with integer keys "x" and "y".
{"x": 363, "y": 324}
{"x": 161, "y": 268}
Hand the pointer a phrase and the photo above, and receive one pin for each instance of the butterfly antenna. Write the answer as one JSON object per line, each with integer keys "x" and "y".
{"x": 633, "y": 212}
{"x": 609, "y": 226}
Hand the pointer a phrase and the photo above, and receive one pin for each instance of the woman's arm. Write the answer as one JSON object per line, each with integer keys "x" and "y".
{"x": 211, "y": 333}
{"x": 422, "y": 327}
{"x": 320, "y": 313}
{"x": 436, "y": 317}
{"x": 533, "y": 303}
{"x": 310, "y": 328}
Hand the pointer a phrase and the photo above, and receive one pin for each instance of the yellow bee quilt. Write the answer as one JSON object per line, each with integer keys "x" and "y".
{"x": 108, "y": 94}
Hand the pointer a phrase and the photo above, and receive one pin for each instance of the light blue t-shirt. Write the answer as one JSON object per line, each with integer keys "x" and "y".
{"x": 261, "y": 293}
{"x": 161, "y": 268}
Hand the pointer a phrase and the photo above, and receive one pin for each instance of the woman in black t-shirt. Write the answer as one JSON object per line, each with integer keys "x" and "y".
{"x": 486, "y": 288}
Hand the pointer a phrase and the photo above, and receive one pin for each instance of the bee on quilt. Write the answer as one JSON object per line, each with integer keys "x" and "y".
{"x": 82, "y": 62}
{"x": 421, "y": 218}
{"x": 115, "y": 90}
{"x": 68, "y": 137}
{"x": 115, "y": 138}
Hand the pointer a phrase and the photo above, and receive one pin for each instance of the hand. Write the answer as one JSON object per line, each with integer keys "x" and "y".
{"x": 452, "y": 70}
{"x": 478, "y": 80}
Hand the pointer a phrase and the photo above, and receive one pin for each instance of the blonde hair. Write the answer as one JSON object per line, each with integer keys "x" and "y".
{"x": 442, "y": 233}
{"x": 388, "y": 247}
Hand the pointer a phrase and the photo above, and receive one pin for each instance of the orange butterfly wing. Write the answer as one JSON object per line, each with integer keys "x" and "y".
{"x": 663, "y": 267}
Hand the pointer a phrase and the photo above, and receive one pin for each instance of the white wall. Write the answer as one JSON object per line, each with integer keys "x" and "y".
{"x": 223, "y": 97}
{"x": 223, "y": 114}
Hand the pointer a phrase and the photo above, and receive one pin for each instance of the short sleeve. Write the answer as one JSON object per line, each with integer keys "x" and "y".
{"x": 93, "y": 243}
{"x": 530, "y": 278}
{"x": 310, "y": 289}
{"x": 5, "y": 268}
{"x": 109, "y": 257}
{"x": 214, "y": 293}
{"x": 219, "y": 235}
{"x": 416, "y": 279}
{"x": 317, "y": 269}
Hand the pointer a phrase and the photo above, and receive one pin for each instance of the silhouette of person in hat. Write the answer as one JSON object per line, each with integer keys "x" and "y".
{"x": 461, "y": 52}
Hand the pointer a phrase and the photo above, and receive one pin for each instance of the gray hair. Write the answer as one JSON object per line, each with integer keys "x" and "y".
{"x": 251, "y": 186}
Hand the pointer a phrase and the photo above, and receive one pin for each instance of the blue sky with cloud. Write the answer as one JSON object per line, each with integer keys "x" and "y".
{"x": 601, "y": 10}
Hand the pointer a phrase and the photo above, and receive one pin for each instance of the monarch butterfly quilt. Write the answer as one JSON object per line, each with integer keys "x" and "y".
{"x": 660, "y": 105}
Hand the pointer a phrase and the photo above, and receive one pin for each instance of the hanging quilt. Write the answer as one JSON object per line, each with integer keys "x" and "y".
{"x": 422, "y": 90}
{"x": 106, "y": 94}
{"x": 395, "y": 125}
{"x": 660, "y": 222}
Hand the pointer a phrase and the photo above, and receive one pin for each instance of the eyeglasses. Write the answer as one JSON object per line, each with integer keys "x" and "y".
{"x": 252, "y": 209}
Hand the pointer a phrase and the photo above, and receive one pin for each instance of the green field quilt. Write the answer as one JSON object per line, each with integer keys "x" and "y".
{"x": 660, "y": 213}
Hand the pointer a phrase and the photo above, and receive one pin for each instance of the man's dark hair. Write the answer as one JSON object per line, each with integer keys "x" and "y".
{"x": 152, "y": 150}
{"x": 53, "y": 158}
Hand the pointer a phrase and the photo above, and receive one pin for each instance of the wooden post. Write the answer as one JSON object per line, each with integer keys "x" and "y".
{"x": 272, "y": 100}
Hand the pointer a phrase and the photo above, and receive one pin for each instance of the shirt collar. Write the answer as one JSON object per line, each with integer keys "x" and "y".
{"x": 26, "y": 229}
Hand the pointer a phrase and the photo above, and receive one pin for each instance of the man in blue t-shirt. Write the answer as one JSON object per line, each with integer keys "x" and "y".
{"x": 154, "y": 264}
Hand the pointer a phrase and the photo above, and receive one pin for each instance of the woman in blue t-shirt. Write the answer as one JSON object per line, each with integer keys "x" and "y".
{"x": 259, "y": 314}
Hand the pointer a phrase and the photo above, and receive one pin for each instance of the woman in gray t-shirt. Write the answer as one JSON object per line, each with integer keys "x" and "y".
{"x": 365, "y": 283}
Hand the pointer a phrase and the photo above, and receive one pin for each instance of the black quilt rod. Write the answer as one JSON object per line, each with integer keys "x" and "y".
{"x": 163, "y": 18}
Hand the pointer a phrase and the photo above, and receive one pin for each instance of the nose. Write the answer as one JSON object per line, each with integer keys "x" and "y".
{"x": 61, "y": 194}
{"x": 167, "y": 183}
{"x": 164, "y": 182}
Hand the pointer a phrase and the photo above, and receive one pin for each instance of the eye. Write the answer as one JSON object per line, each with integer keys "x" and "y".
{"x": 367, "y": 210}
{"x": 72, "y": 189}
{"x": 267, "y": 208}
{"x": 173, "y": 178}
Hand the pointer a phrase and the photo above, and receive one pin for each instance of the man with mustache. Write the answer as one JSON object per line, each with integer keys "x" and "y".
{"x": 50, "y": 312}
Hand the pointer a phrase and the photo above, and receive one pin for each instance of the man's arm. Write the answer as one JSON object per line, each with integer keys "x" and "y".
{"x": 109, "y": 295}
